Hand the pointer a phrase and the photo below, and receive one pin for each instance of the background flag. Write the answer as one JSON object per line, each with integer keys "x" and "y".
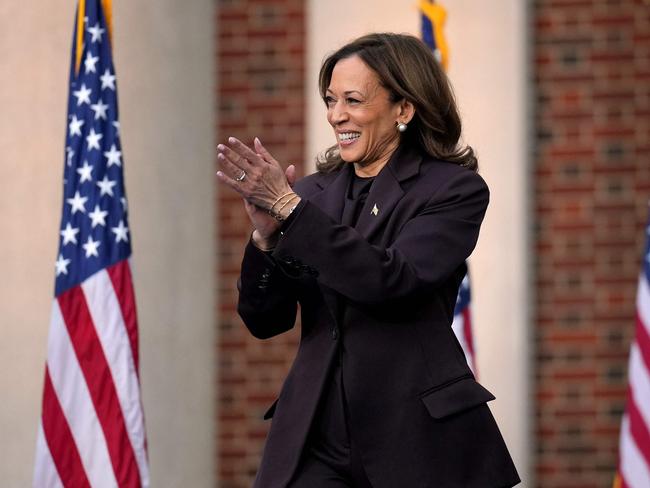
{"x": 462, "y": 323}
{"x": 433, "y": 18}
{"x": 92, "y": 432}
{"x": 634, "y": 444}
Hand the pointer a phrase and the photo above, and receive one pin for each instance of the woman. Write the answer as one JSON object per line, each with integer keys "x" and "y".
{"x": 373, "y": 247}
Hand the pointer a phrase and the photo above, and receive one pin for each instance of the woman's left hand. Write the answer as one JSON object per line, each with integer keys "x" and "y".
{"x": 254, "y": 174}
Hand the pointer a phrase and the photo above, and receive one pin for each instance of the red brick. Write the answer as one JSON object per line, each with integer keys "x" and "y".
{"x": 591, "y": 185}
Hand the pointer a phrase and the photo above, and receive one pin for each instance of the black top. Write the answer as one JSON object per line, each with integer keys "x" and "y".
{"x": 356, "y": 198}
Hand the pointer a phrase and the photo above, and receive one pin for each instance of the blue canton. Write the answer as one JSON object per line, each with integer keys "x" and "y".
{"x": 94, "y": 227}
{"x": 463, "y": 299}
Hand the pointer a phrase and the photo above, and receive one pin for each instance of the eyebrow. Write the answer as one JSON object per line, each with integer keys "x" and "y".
{"x": 348, "y": 92}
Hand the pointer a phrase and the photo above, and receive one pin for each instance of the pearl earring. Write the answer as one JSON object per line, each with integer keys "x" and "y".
{"x": 401, "y": 126}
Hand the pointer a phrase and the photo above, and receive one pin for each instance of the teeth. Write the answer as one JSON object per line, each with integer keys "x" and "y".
{"x": 346, "y": 136}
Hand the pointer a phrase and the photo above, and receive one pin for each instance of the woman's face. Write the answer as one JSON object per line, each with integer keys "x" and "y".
{"x": 362, "y": 114}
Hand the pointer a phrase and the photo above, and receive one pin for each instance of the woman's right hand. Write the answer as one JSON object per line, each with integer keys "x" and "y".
{"x": 267, "y": 227}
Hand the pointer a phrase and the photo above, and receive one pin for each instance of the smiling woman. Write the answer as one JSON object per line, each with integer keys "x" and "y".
{"x": 364, "y": 116}
{"x": 373, "y": 248}
{"x": 408, "y": 74}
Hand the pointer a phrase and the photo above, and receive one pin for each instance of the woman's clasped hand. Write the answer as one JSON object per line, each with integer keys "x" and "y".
{"x": 265, "y": 187}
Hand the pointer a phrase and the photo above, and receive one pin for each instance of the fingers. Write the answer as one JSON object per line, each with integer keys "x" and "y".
{"x": 230, "y": 169}
{"x": 263, "y": 152}
{"x": 233, "y": 157}
{"x": 242, "y": 151}
{"x": 223, "y": 178}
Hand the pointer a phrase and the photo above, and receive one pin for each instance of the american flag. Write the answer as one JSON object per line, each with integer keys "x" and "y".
{"x": 634, "y": 444}
{"x": 91, "y": 431}
{"x": 433, "y": 17}
{"x": 462, "y": 323}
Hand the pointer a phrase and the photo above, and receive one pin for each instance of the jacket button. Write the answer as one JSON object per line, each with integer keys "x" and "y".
{"x": 335, "y": 333}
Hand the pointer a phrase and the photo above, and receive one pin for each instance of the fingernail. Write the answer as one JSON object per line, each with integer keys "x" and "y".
{"x": 221, "y": 147}
{"x": 257, "y": 140}
{"x": 232, "y": 140}
{"x": 221, "y": 157}
{"x": 219, "y": 173}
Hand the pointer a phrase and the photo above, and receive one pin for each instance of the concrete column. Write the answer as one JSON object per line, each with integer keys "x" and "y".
{"x": 163, "y": 52}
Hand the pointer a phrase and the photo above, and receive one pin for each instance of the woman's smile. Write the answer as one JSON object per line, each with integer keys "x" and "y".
{"x": 348, "y": 138}
{"x": 362, "y": 114}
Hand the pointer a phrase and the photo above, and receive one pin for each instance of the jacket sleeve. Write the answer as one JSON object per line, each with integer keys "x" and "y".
{"x": 428, "y": 248}
{"x": 267, "y": 299}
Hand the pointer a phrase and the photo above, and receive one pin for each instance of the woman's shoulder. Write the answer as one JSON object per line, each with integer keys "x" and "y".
{"x": 439, "y": 173}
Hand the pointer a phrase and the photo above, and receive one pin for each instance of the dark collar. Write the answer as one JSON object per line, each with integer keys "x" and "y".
{"x": 384, "y": 194}
{"x": 404, "y": 163}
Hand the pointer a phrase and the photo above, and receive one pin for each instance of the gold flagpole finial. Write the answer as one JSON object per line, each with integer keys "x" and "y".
{"x": 107, "y": 7}
{"x": 81, "y": 28}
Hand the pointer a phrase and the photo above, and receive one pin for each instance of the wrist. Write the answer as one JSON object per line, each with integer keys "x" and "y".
{"x": 283, "y": 206}
{"x": 286, "y": 210}
{"x": 264, "y": 243}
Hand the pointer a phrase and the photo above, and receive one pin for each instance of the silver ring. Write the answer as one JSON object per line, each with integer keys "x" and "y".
{"x": 241, "y": 177}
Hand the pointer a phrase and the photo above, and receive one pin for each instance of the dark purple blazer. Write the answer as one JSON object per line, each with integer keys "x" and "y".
{"x": 416, "y": 413}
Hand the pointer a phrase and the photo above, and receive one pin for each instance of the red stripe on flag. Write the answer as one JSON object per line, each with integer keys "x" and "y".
{"x": 643, "y": 341}
{"x": 120, "y": 274}
{"x": 638, "y": 428}
{"x": 59, "y": 439}
{"x": 469, "y": 337}
{"x": 100, "y": 383}
{"x": 467, "y": 329}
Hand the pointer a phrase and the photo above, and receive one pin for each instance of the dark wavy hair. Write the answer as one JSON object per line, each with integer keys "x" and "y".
{"x": 407, "y": 68}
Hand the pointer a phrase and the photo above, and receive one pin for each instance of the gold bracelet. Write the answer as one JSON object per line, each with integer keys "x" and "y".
{"x": 270, "y": 210}
{"x": 278, "y": 215}
{"x": 287, "y": 203}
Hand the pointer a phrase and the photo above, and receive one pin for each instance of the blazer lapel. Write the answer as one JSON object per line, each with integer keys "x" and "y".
{"x": 332, "y": 198}
{"x": 387, "y": 190}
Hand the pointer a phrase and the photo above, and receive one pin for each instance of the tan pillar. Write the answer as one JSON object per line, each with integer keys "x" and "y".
{"x": 163, "y": 53}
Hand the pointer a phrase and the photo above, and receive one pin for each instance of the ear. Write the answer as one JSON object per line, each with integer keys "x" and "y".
{"x": 406, "y": 111}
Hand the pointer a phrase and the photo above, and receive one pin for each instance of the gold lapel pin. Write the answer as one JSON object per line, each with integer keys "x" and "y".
{"x": 375, "y": 210}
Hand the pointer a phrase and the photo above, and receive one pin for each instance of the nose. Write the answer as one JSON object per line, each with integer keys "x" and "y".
{"x": 337, "y": 113}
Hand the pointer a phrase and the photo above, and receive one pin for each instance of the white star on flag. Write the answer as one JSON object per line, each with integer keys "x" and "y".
{"x": 113, "y": 156}
{"x": 62, "y": 265}
{"x": 69, "y": 234}
{"x": 90, "y": 62}
{"x": 100, "y": 109}
{"x": 78, "y": 203}
{"x": 116, "y": 124}
{"x": 91, "y": 247}
{"x": 93, "y": 139}
{"x": 84, "y": 172}
{"x": 121, "y": 232}
{"x": 69, "y": 154}
{"x": 75, "y": 126}
{"x": 96, "y": 33}
{"x": 106, "y": 186}
{"x": 108, "y": 80}
{"x": 82, "y": 94}
{"x": 98, "y": 217}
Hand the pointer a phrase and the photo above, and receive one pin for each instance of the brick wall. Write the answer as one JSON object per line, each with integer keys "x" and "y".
{"x": 592, "y": 182}
{"x": 260, "y": 92}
